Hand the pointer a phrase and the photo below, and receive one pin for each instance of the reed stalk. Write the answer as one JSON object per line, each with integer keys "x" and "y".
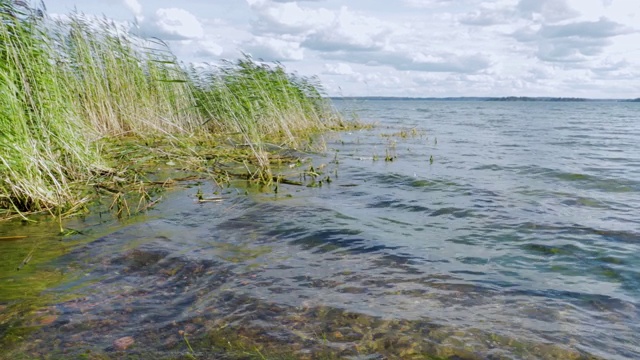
{"x": 67, "y": 86}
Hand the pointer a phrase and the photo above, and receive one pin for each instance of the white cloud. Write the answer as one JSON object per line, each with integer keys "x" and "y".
{"x": 546, "y": 10}
{"x": 570, "y": 50}
{"x": 345, "y": 71}
{"x": 430, "y": 47}
{"x": 349, "y": 31}
{"x": 319, "y": 29}
{"x": 349, "y": 36}
{"x": 273, "y": 49}
{"x": 484, "y": 17}
{"x": 172, "y": 24}
{"x": 602, "y": 28}
{"x": 287, "y": 18}
{"x": 286, "y": 1}
{"x": 134, "y": 6}
{"x": 418, "y": 61}
{"x": 338, "y": 69}
{"x": 426, "y": 4}
{"x": 571, "y": 42}
{"x": 208, "y": 48}
{"x": 609, "y": 65}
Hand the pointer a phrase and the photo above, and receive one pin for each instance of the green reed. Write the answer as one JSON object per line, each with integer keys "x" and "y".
{"x": 263, "y": 103}
{"x": 67, "y": 86}
{"x": 41, "y": 135}
{"x": 125, "y": 86}
{"x": 261, "y": 100}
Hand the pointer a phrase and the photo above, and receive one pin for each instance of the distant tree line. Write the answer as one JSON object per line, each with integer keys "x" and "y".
{"x": 526, "y": 98}
{"x": 505, "y": 98}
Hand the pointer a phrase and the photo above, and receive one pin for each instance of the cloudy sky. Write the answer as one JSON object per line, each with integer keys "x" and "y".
{"x": 576, "y": 48}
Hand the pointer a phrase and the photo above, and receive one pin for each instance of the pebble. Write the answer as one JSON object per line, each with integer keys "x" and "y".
{"x": 123, "y": 343}
{"x": 47, "y": 320}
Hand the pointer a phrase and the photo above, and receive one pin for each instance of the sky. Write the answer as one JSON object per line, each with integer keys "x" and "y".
{"x": 408, "y": 48}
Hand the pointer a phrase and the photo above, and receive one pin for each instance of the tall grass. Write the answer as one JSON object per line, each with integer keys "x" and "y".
{"x": 122, "y": 87}
{"x": 65, "y": 85}
{"x": 42, "y": 138}
{"x": 262, "y": 101}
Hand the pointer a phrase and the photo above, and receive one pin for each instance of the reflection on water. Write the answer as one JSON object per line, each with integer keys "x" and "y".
{"x": 519, "y": 240}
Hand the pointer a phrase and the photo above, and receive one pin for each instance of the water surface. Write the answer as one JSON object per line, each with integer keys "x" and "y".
{"x": 468, "y": 229}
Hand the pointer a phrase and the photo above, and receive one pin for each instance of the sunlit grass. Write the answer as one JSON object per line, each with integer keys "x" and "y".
{"x": 42, "y": 137}
{"x": 260, "y": 101}
{"x": 69, "y": 86}
{"x": 264, "y": 105}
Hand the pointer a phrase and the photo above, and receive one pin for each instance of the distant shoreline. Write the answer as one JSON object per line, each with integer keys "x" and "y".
{"x": 472, "y": 98}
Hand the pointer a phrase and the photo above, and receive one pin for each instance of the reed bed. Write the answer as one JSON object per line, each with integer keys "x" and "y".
{"x": 260, "y": 100}
{"x": 70, "y": 86}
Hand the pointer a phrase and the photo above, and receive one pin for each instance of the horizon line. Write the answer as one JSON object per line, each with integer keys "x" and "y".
{"x": 498, "y": 98}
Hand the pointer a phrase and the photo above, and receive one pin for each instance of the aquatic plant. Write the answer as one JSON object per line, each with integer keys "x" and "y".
{"x": 124, "y": 85}
{"x": 42, "y": 138}
{"x": 259, "y": 99}
{"x": 70, "y": 86}
{"x": 268, "y": 107}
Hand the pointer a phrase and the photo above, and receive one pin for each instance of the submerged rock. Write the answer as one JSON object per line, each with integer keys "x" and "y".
{"x": 123, "y": 343}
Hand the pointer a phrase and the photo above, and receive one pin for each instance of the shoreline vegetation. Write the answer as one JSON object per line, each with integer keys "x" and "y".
{"x": 84, "y": 105}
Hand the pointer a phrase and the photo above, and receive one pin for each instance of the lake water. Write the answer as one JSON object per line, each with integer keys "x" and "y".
{"x": 466, "y": 230}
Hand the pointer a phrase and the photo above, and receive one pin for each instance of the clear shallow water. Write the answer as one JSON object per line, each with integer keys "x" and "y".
{"x": 520, "y": 239}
